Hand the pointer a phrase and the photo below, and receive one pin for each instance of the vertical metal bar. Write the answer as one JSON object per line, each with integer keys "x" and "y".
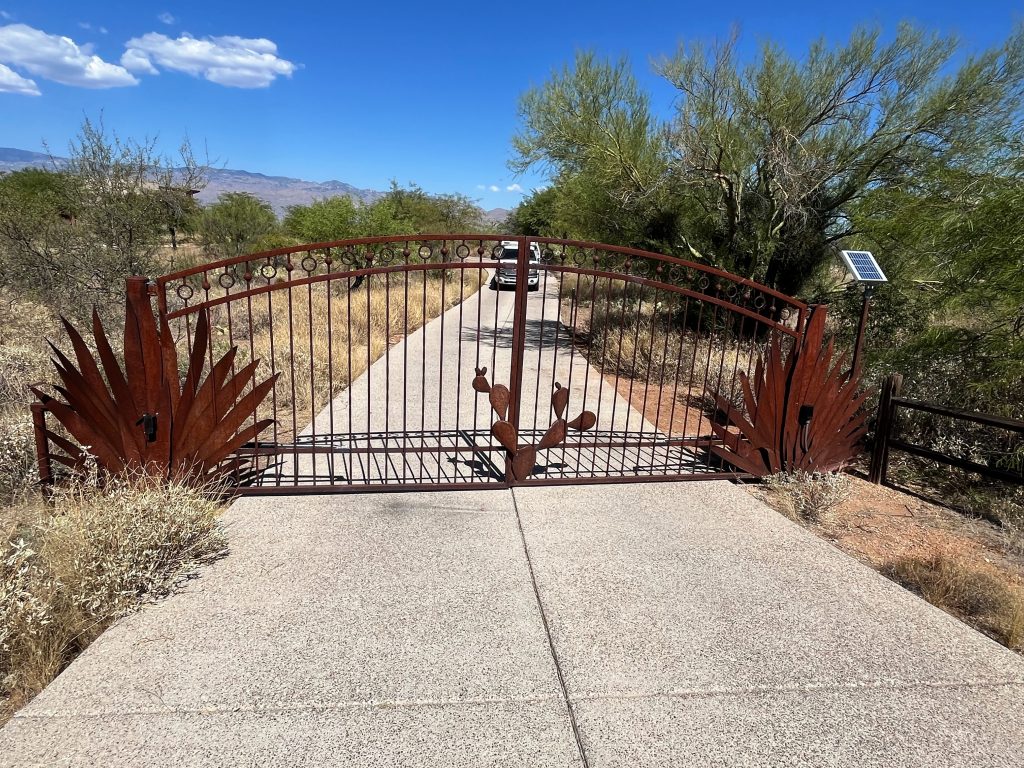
{"x": 891, "y": 388}
{"x": 387, "y": 370}
{"x": 273, "y": 372}
{"x": 312, "y": 370}
{"x": 405, "y": 362}
{"x": 329, "y": 287}
{"x": 43, "y": 461}
{"x": 423, "y": 367}
{"x": 369, "y": 362}
{"x": 858, "y": 347}
{"x": 519, "y": 330}
{"x": 440, "y": 355}
{"x": 348, "y": 387}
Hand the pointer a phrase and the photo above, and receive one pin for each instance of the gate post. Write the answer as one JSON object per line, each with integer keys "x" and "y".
{"x": 43, "y": 460}
{"x": 518, "y": 338}
{"x": 891, "y": 387}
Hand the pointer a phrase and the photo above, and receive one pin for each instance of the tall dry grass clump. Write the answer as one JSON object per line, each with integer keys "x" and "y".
{"x": 976, "y": 596}
{"x": 88, "y": 558}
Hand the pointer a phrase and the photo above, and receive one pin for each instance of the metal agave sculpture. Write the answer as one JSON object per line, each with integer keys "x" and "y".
{"x": 524, "y": 457}
{"x": 144, "y": 416}
{"x": 800, "y": 413}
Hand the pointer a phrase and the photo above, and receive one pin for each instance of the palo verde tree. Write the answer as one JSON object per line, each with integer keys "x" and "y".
{"x": 71, "y": 235}
{"x": 760, "y": 165}
{"x": 590, "y": 127}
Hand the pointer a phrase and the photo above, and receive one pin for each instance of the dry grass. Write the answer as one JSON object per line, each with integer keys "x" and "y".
{"x": 72, "y": 568}
{"x": 975, "y": 595}
{"x": 337, "y": 333}
{"x": 968, "y": 567}
{"x": 638, "y": 335}
{"x": 810, "y": 496}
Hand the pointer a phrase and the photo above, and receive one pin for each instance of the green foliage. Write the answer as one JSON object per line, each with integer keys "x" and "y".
{"x": 590, "y": 126}
{"x": 952, "y": 318}
{"x": 402, "y": 210}
{"x": 535, "y": 215}
{"x": 232, "y": 225}
{"x": 70, "y": 236}
{"x": 335, "y": 218}
{"x": 760, "y": 166}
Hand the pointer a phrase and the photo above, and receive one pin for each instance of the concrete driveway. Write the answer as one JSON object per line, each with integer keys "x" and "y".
{"x": 675, "y": 624}
{"x": 620, "y": 625}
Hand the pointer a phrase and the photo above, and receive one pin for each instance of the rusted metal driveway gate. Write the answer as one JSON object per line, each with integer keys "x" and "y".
{"x": 595, "y": 368}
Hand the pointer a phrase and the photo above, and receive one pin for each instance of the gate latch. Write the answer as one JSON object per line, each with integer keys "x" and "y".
{"x": 148, "y": 424}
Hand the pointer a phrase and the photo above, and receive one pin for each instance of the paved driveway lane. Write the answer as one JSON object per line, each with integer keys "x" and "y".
{"x": 694, "y": 626}
{"x": 389, "y": 629}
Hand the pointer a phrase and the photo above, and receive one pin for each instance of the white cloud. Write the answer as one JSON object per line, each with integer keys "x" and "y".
{"x": 166, "y": 18}
{"x": 513, "y": 188}
{"x": 481, "y": 186}
{"x": 12, "y": 82}
{"x": 59, "y": 59}
{"x": 494, "y": 188}
{"x": 5, "y": 15}
{"x": 229, "y": 60}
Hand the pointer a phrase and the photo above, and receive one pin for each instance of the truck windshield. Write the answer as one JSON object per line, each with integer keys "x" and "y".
{"x": 509, "y": 254}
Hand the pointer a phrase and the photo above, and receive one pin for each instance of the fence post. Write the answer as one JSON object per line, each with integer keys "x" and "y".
{"x": 43, "y": 461}
{"x": 891, "y": 387}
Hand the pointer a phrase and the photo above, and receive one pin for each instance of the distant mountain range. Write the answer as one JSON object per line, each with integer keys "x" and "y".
{"x": 279, "y": 191}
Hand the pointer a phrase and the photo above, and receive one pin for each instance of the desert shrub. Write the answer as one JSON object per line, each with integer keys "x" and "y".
{"x": 94, "y": 558}
{"x": 974, "y": 595}
{"x": 810, "y": 496}
{"x": 18, "y": 471}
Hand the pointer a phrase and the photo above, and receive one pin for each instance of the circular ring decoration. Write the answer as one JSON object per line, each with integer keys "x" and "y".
{"x": 185, "y": 292}
{"x": 348, "y": 256}
{"x": 226, "y": 280}
{"x": 310, "y": 264}
{"x": 425, "y": 252}
{"x": 703, "y": 282}
{"x": 579, "y": 258}
{"x": 497, "y": 250}
{"x": 268, "y": 271}
{"x": 386, "y": 255}
{"x": 760, "y": 301}
{"x": 462, "y": 251}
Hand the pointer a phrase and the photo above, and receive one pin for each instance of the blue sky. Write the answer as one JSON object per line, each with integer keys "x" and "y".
{"x": 369, "y": 91}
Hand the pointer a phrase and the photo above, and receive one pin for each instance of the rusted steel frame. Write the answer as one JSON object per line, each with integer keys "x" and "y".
{"x": 484, "y": 237}
{"x": 518, "y": 341}
{"x": 629, "y": 478}
{"x": 44, "y": 461}
{"x": 367, "y": 487}
{"x": 287, "y": 449}
{"x": 232, "y": 261}
{"x": 1011, "y": 425}
{"x": 884, "y": 428}
{"x": 965, "y": 464}
{"x": 714, "y": 271}
{"x": 325, "y": 277}
{"x": 668, "y": 287}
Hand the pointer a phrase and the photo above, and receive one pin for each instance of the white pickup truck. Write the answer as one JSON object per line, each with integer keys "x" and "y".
{"x": 506, "y": 272}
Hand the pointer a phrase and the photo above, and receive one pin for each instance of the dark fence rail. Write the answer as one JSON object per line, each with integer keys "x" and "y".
{"x": 887, "y": 435}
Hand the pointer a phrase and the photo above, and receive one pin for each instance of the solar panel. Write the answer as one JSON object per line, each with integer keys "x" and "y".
{"x": 863, "y": 267}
